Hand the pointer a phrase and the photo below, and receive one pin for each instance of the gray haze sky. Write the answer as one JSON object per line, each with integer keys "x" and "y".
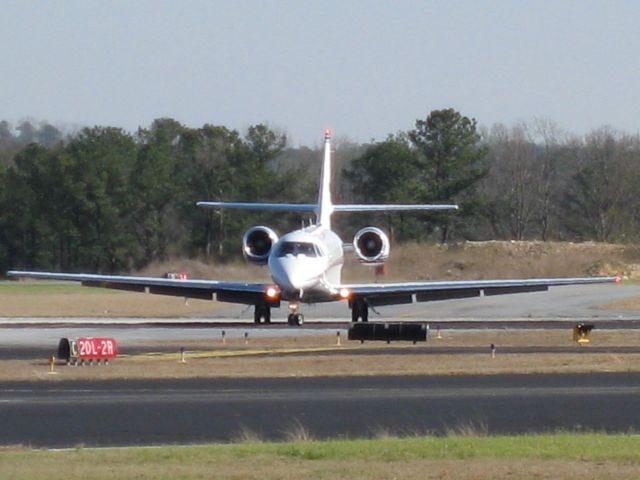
{"x": 365, "y": 69}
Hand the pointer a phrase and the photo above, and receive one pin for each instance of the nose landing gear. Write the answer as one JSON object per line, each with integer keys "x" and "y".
{"x": 294, "y": 318}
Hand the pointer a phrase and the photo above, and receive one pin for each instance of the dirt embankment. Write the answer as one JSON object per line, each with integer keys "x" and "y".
{"x": 466, "y": 260}
{"x": 500, "y": 259}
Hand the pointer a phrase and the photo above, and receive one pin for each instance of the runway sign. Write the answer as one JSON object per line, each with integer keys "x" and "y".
{"x": 91, "y": 348}
{"x": 87, "y": 348}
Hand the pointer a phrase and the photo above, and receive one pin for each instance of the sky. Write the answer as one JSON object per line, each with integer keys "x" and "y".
{"x": 362, "y": 68}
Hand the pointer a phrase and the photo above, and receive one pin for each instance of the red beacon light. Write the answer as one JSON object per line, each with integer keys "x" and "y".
{"x": 327, "y": 134}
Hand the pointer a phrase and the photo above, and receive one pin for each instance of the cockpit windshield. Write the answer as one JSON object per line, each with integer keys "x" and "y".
{"x": 307, "y": 249}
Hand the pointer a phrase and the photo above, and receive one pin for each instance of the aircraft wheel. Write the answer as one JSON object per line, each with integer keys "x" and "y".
{"x": 360, "y": 311}
{"x": 262, "y": 312}
{"x": 291, "y": 319}
{"x": 299, "y": 319}
{"x": 354, "y": 314}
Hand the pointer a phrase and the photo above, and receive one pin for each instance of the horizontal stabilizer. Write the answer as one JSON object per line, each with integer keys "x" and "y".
{"x": 389, "y": 207}
{"x": 282, "y": 207}
{"x": 307, "y": 207}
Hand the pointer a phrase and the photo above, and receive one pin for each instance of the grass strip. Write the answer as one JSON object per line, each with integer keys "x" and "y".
{"x": 365, "y": 458}
{"x": 554, "y": 446}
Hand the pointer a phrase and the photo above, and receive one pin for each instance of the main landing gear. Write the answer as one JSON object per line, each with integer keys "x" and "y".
{"x": 359, "y": 310}
{"x": 262, "y": 313}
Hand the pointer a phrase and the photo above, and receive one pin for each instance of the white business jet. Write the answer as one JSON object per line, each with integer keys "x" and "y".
{"x": 306, "y": 264}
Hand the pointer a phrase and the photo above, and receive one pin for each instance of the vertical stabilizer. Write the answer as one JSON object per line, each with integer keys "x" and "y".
{"x": 325, "y": 206}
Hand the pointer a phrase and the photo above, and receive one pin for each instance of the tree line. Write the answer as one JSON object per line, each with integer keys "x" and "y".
{"x": 103, "y": 199}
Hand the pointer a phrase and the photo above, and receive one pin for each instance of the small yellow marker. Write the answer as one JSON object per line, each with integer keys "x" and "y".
{"x": 338, "y": 335}
{"x": 52, "y": 365}
{"x": 581, "y": 333}
{"x": 224, "y": 337}
{"x": 182, "y": 360}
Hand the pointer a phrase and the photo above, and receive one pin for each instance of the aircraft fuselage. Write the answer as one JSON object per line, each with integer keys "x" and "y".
{"x": 306, "y": 264}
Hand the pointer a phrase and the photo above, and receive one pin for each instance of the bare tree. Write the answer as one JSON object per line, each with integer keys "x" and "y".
{"x": 514, "y": 186}
{"x": 549, "y": 137}
{"x": 601, "y": 201}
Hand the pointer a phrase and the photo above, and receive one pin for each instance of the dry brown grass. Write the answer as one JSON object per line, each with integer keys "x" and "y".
{"x": 238, "y": 270}
{"x": 499, "y": 259}
{"x": 291, "y": 357}
{"x": 92, "y": 302}
{"x": 268, "y": 466}
{"x": 468, "y": 469}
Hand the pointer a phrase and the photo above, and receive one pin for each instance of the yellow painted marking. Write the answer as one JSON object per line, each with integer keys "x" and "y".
{"x": 233, "y": 353}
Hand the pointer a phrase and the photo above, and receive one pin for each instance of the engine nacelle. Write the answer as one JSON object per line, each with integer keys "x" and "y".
{"x": 371, "y": 245}
{"x": 257, "y": 243}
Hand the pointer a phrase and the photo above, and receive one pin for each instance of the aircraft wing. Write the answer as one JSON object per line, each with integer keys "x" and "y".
{"x": 233, "y": 292}
{"x": 379, "y": 294}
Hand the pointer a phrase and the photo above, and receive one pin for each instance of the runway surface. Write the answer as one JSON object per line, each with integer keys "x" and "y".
{"x": 68, "y": 414}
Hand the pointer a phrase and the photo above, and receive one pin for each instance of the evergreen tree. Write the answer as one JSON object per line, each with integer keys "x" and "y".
{"x": 451, "y": 160}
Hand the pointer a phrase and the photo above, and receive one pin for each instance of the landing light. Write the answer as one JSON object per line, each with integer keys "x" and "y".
{"x": 618, "y": 279}
{"x": 344, "y": 293}
{"x": 272, "y": 292}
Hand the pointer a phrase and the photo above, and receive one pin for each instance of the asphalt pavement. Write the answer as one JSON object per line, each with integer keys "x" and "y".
{"x": 121, "y": 413}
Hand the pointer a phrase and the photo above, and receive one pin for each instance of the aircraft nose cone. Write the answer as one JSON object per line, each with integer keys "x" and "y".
{"x": 290, "y": 276}
{"x": 294, "y": 278}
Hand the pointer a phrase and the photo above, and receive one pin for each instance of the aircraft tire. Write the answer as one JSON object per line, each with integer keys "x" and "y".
{"x": 262, "y": 313}
{"x": 295, "y": 319}
{"x": 360, "y": 311}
